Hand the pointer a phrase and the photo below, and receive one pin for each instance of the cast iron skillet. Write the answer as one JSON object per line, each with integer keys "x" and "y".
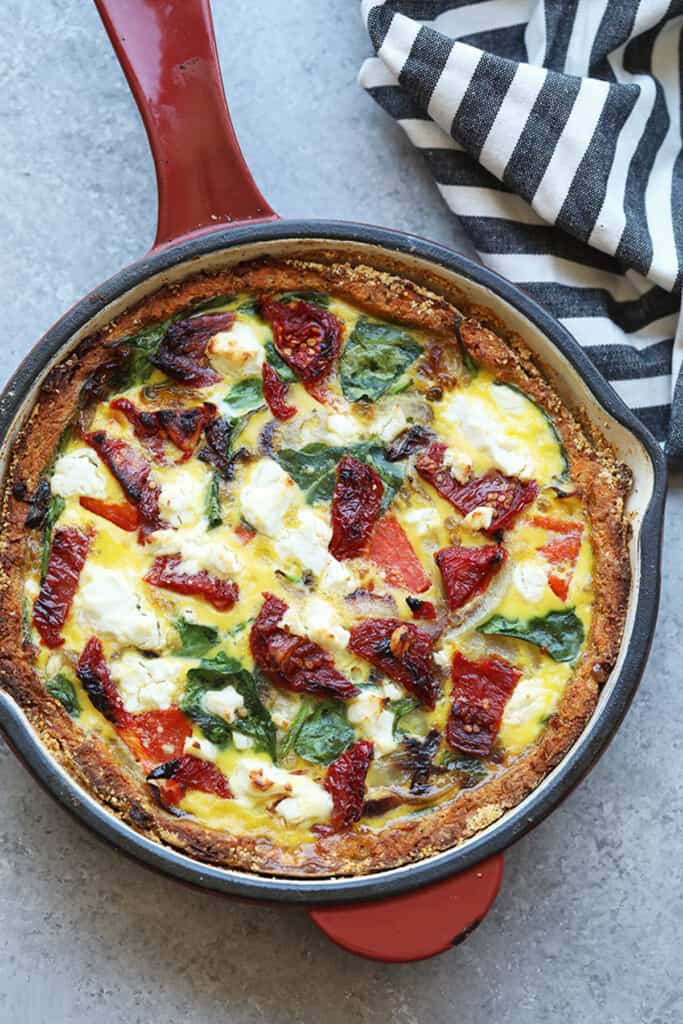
{"x": 211, "y": 214}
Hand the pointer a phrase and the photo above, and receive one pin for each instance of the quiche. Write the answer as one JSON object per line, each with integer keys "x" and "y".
{"x": 307, "y": 569}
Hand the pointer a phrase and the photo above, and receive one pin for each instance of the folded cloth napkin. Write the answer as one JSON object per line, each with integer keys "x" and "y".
{"x": 553, "y": 130}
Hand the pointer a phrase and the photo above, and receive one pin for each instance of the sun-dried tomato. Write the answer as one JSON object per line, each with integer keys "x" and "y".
{"x": 467, "y": 572}
{"x": 182, "y": 352}
{"x": 410, "y": 441}
{"x": 306, "y": 336}
{"x": 93, "y": 672}
{"x": 421, "y": 609}
{"x": 39, "y": 503}
{"x": 121, "y": 514}
{"x": 355, "y": 507}
{"x": 275, "y": 393}
{"x": 481, "y": 689}
{"x": 563, "y": 552}
{"x": 216, "y": 451}
{"x": 188, "y": 772}
{"x": 182, "y": 427}
{"x": 292, "y": 661}
{"x": 401, "y": 651}
{"x": 506, "y": 495}
{"x": 156, "y": 736}
{"x": 345, "y": 782}
{"x": 166, "y": 572}
{"x": 133, "y": 473}
{"x": 67, "y": 557}
{"x": 392, "y": 552}
{"x": 244, "y": 534}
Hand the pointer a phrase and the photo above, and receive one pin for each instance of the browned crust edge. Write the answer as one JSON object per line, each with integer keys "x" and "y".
{"x": 107, "y": 771}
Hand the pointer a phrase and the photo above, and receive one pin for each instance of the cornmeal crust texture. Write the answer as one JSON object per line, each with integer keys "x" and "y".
{"x": 307, "y": 570}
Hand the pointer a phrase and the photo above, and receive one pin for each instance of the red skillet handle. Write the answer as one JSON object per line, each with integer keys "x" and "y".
{"x": 167, "y": 50}
{"x": 419, "y": 924}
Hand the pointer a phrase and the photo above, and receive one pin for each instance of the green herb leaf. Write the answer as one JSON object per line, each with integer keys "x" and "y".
{"x": 559, "y": 634}
{"x": 213, "y": 502}
{"x": 303, "y": 711}
{"x": 56, "y": 507}
{"x": 208, "y": 305}
{"x": 274, "y": 358}
{"x": 196, "y": 640}
{"x": 317, "y": 298}
{"x": 245, "y": 396}
{"x": 400, "y": 708}
{"x": 62, "y": 689}
{"x": 215, "y": 674}
{"x": 313, "y": 468}
{"x": 324, "y": 733}
{"x": 564, "y": 472}
{"x": 470, "y": 767}
{"x": 249, "y": 307}
{"x": 375, "y": 357}
{"x": 137, "y": 369}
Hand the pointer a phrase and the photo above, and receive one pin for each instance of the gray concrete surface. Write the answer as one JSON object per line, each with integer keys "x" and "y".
{"x": 588, "y": 923}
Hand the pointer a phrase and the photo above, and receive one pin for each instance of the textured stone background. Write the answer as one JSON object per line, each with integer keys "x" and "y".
{"x": 588, "y": 923}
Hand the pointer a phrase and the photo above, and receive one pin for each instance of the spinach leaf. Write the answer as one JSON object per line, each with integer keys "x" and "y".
{"x": 245, "y": 396}
{"x": 324, "y": 733}
{"x": 277, "y": 362}
{"x": 56, "y": 507}
{"x": 303, "y": 711}
{"x": 317, "y": 298}
{"x": 62, "y": 689}
{"x": 196, "y": 640}
{"x": 559, "y": 634}
{"x": 250, "y": 307}
{"x": 136, "y": 368}
{"x": 213, "y": 502}
{"x": 470, "y": 769}
{"x": 313, "y": 468}
{"x": 564, "y": 473}
{"x": 209, "y": 305}
{"x": 375, "y": 357}
{"x": 400, "y": 708}
{"x": 215, "y": 674}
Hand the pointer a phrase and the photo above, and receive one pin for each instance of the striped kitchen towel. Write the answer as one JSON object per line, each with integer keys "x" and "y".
{"x": 553, "y": 130}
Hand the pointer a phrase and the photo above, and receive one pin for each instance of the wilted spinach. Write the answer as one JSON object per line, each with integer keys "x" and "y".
{"x": 62, "y": 689}
{"x": 374, "y": 360}
{"x": 560, "y": 634}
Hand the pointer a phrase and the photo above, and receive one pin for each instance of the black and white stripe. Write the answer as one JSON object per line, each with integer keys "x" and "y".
{"x": 553, "y": 131}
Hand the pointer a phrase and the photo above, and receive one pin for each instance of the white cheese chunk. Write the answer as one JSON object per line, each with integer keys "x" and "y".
{"x": 487, "y": 432}
{"x": 307, "y": 543}
{"x": 425, "y": 520}
{"x": 343, "y": 430}
{"x": 317, "y": 619}
{"x": 200, "y": 549}
{"x": 373, "y": 721}
{"x": 530, "y": 578}
{"x": 529, "y": 702}
{"x": 237, "y": 350}
{"x": 391, "y": 423}
{"x": 107, "y": 603}
{"x": 338, "y": 578}
{"x": 257, "y": 782}
{"x": 225, "y": 703}
{"x": 266, "y": 497}
{"x": 458, "y": 464}
{"x": 78, "y": 473}
{"x": 480, "y": 518}
{"x": 241, "y": 741}
{"x": 443, "y": 658}
{"x": 182, "y": 499}
{"x": 202, "y": 748}
{"x": 148, "y": 684}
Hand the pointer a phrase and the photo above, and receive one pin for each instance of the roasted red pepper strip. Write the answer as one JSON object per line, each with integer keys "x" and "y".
{"x": 166, "y": 572}
{"x": 467, "y": 572}
{"x": 393, "y": 553}
{"x": 481, "y": 689}
{"x": 182, "y": 427}
{"x": 244, "y": 534}
{"x": 345, "y": 782}
{"x": 563, "y": 552}
{"x": 188, "y": 772}
{"x": 307, "y": 337}
{"x": 121, "y": 514}
{"x": 506, "y": 495}
{"x": 421, "y": 609}
{"x": 182, "y": 352}
{"x": 292, "y": 661}
{"x": 402, "y": 651}
{"x": 355, "y": 507}
{"x": 67, "y": 557}
{"x": 93, "y": 672}
{"x": 133, "y": 473}
{"x": 275, "y": 393}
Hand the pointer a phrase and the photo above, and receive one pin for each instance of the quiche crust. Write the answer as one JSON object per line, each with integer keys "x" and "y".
{"x": 105, "y": 769}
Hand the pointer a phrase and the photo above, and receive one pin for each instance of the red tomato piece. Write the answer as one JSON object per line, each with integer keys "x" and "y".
{"x": 557, "y": 525}
{"x": 244, "y": 534}
{"x": 182, "y": 352}
{"x": 355, "y": 507}
{"x": 182, "y": 427}
{"x": 401, "y": 651}
{"x": 292, "y": 661}
{"x": 393, "y": 553}
{"x": 421, "y": 609}
{"x": 188, "y": 772}
{"x": 67, "y": 557}
{"x": 93, "y": 672}
{"x": 562, "y": 552}
{"x": 133, "y": 473}
{"x": 307, "y": 337}
{"x": 481, "y": 689}
{"x": 122, "y": 514}
{"x": 559, "y": 586}
{"x": 345, "y": 782}
{"x": 467, "y": 572}
{"x": 166, "y": 573}
{"x": 507, "y": 495}
{"x": 156, "y": 736}
{"x": 275, "y": 393}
